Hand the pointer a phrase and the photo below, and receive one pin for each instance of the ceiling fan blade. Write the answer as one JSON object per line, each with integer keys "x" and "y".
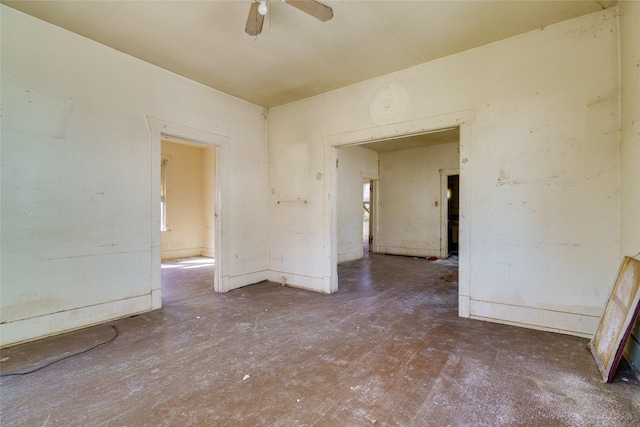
{"x": 313, "y": 8}
{"x": 254, "y": 20}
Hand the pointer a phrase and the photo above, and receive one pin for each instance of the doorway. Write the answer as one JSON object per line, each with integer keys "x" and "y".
{"x": 367, "y": 215}
{"x": 453, "y": 213}
{"x": 188, "y": 209}
{"x": 160, "y": 129}
{"x": 388, "y": 134}
{"x": 450, "y": 212}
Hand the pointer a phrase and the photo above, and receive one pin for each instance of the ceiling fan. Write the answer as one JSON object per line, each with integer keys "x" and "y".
{"x": 259, "y": 10}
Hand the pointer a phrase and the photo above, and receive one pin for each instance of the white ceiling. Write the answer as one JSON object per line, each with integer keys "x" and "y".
{"x": 445, "y": 136}
{"x": 299, "y": 56}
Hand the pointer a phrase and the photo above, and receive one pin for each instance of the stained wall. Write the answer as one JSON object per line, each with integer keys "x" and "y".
{"x": 630, "y": 144}
{"x": 355, "y": 164}
{"x": 79, "y": 221}
{"x": 540, "y": 169}
{"x": 409, "y": 205}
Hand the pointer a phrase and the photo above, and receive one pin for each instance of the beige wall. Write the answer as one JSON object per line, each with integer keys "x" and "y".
{"x": 209, "y": 202}
{"x": 355, "y": 164}
{"x": 80, "y": 178}
{"x": 551, "y": 194}
{"x": 630, "y": 144}
{"x": 409, "y": 207}
{"x": 190, "y": 201}
{"x": 539, "y": 170}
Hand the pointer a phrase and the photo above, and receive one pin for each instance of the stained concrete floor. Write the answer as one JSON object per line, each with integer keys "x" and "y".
{"x": 388, "y": 349}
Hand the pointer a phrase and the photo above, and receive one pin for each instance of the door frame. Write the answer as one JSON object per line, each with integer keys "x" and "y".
{"x": 444, "y": 210}
{"x": 332, "y": 143}
{"x": 162, "y": 128}
{"x": 373, "y": 208}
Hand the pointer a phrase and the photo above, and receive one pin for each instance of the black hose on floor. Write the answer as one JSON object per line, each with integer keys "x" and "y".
{"x": 66, "y": 357}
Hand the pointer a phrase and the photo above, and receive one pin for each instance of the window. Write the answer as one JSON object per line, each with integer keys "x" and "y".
{"x": 366, "y": 199}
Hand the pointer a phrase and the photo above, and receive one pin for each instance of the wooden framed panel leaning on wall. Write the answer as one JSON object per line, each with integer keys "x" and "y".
{"x": 617, "y": 320}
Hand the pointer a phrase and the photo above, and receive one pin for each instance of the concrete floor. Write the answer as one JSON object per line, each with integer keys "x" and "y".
{"x": 388, "y": 349}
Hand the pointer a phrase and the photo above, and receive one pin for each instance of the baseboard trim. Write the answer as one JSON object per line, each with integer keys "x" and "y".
{"x": 298, "y": 281}
{"x": 243, "y": 280}
{"x": 21, "y": 331}
{"x": 576, "y": 324}
{"x": 392, "y": 250}
{"x": 180, "y": 253}
{"x": 349, "y": 256}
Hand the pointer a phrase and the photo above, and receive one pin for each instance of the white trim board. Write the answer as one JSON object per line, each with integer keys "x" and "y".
{"x": 461, "y": 119}
{"x": 46, "y": 325}
{"x": 582, "y": 325}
